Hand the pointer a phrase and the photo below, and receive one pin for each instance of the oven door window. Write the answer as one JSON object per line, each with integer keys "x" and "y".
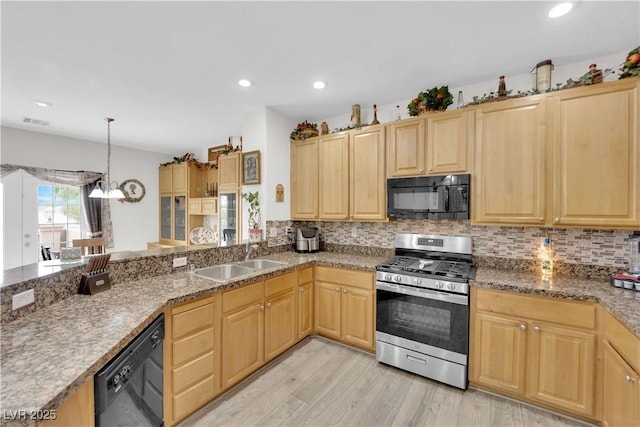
{"x": 436, "y": 323}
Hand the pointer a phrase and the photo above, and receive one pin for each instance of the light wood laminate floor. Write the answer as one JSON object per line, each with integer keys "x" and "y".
{"x": 323, "y": 383}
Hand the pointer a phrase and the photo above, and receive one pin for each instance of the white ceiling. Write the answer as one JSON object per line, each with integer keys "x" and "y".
{"x": 167, "y": 71}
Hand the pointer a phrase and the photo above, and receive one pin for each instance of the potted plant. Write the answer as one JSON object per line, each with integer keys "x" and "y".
{"x": 434, "y": 99}
{"x": 255, "y": 218}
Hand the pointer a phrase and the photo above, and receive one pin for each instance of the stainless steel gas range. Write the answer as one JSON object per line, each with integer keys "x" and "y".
{"x": 422, "y": 307}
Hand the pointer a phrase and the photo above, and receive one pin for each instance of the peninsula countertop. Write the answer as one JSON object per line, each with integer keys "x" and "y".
{"x": 48, "y": 355}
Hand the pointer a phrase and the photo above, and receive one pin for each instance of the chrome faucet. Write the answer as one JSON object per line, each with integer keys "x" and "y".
{"x": 250, "y": 248}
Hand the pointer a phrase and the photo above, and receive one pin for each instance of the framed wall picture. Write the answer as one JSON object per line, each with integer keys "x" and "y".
{"x": 251, "y": 167}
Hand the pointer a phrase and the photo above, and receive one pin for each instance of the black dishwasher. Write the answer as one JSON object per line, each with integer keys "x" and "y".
{"x": 128, "y": 389}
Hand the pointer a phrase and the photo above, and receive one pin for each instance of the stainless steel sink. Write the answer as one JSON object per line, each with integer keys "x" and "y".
{"x": 261, "y": 264}
{"x": 223, "y": 272}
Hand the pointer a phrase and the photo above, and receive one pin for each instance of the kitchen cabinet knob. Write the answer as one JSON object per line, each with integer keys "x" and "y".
{"x": 629, "y": 379}
{"x": 262, "y": 308}
{"x": 301, "y": 289}
{"x": 541, "y": 219}
{"x": 345, "y": 291}
{"x": 430, "y": 169}
{"x": 420, "y": 170}
{"x": 523, "y": 327}
{"x": 556, "y": 219}
{"x": 268, "y": 305}
{"x": 536, "y": 328}
{"x": 338, "y": 289}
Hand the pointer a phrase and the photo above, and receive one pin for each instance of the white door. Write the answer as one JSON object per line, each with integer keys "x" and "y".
{"x": 20, "y": 220}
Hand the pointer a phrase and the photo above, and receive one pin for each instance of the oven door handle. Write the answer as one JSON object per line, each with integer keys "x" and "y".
{"x": 423, "y": 293}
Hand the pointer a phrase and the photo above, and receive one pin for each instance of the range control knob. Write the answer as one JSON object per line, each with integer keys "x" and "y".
{"x": 451, "y": 287}
{"x": 116, "y": 379}
{"x": 418, "y": 281}
{"x": 387, "y": 277}
{"x": 398, "y": 278}
{"x": 440, "y": 284}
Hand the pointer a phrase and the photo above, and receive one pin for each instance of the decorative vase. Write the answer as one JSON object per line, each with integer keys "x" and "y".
{"x": 255, "y": 234}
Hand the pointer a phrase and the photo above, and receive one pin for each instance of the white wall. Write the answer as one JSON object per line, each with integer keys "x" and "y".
{"x": 254, "y": 131}
{"x": 134, "y": 224}
{"x": 278, "y": 158}
{"x": 523, "y": 82}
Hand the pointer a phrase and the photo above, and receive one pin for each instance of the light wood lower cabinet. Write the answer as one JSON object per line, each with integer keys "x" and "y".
{"x": 536, "y": 348}
{"x": 281, "y": 326}
{"x": 305, "y": 302}
{"x": 344, "y": 306}
{"x": 76, "y": 410}
{"x": 242, "y": 332}
{"x": 191, "y": 364}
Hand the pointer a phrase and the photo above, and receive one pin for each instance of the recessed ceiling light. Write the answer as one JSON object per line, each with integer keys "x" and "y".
{"x": 560, "y": 10}
{"x": 244, "y": 82}
{"x": 319, "y": 85}
{"x": 43, "y": 104}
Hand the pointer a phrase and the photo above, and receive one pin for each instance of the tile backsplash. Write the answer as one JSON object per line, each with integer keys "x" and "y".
{"x": 570, "y": 245}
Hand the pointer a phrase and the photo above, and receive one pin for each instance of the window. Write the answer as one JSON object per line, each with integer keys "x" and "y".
{"x": 59, "y": 216}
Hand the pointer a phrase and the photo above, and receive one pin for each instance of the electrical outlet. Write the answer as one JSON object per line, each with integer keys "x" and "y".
{"x": 22, "y": 299}
{"x": 289, "y": 230}
{"x": 179, "y": 262}
{"x": 273, "y": 232}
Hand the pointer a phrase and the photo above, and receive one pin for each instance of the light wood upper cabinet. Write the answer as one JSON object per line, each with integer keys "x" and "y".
{"x": 333, "y": 152}
{"x": 229, "y": 172}
{"x": 165, "y": 174}
{"x": 304, "y": 179}
{"x": 597, "y": 156}
{"x": 510, "y": 162}
{"x": 448, "y": 136}
{"x": 406, "y": 148}
{"x": 368, "y": 191}
{"x": 180, "y": 178}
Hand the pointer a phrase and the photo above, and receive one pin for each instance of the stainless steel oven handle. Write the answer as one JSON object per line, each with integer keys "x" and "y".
{"x": 423, "y": 293}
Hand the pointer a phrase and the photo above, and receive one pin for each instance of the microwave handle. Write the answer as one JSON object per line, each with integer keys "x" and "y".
{"x": 446, "y": 199}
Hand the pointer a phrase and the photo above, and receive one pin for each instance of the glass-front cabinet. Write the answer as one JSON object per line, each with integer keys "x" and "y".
{"x": 180, "y": 218}
{"x": 228, "y": 211}
{"x": 165, "y": 217}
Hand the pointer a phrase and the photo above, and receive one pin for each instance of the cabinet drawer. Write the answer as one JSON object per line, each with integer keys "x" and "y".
{"x": 280, "y": 284}
{"x": 623, "y": 340}
{"x": 357, "y": 279}
{"x": 581, "y": 315}
{"x": 195, "y": 206}
{"x": 192, "y": 320}
{"x": 305, "y": 275}
{"x": 209, "y": 205}
{"x": 237, "y": 298}
{"x": 193, "y": 398}
{"x": 190, "y": 347}
{"x": 193, "y": 372}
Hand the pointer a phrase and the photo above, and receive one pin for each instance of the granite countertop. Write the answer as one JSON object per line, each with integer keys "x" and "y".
{"x": 51, "y": 353}
{"x": 48, "y": 355}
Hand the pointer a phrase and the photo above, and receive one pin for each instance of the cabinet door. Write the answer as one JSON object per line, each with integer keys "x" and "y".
{"x": 76, "y": 410}
{"x": 357, "y": 317}
{"x": 229, "y": 172}
{"x": 621, "y": 394}
{"x": 180, "y": 218}
{"x": 406, "y": 148}
{"x": 164, "y": 178}
{"x": 333, "y": 152}
{"x": 304, "y": 179}
{"x": 597, "y": 157}
{"x": 561, "y": 367}
{"x": 179, "y": 177}
{"x": 368, "y": 191}
{"x": 242, "y": 343}
{"x": 281, "y": 328}
{"x": 509, "y": 182}
{"x": 498, "y": 353}
{"x": 327, "y": 309}
{"x": 166, "y": 217}
{"x": 447, "y": 136}
{"x": 305, "y": 310}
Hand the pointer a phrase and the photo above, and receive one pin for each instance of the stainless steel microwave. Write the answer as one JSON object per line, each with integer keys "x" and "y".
{"x": 429, "y": 197}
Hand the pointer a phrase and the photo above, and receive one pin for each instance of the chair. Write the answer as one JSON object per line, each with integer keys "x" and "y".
{"x": 90, "y": 246}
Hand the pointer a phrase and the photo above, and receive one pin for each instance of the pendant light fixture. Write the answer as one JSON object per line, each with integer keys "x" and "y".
{"x": 107, "y": 189}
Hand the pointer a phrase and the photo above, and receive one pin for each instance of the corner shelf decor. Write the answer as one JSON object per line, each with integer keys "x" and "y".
{"x": 434, "y": 99}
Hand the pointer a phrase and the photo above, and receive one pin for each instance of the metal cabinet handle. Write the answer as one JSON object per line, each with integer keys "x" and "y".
{"x": 536, "y": 328}
{"x": 629, "y": 379}
{"x": 523, "y": 327}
